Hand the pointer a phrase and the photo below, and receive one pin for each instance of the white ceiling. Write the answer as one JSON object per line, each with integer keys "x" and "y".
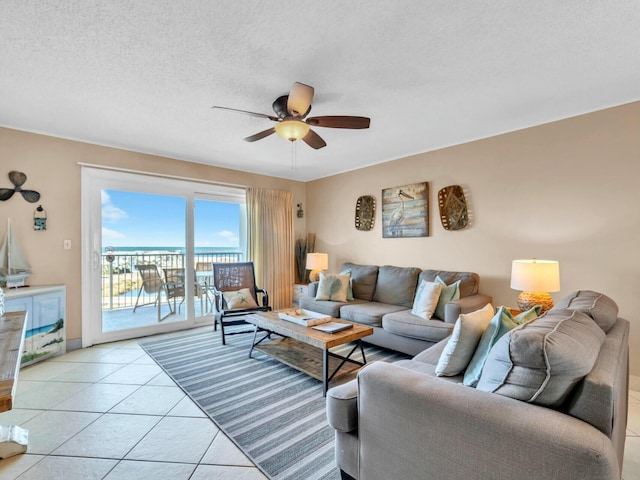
{"x": 143, "y": 75}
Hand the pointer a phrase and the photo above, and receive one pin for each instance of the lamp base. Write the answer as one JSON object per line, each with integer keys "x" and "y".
{"x": 527, "y": 300}
{"x": 314, "y": 276}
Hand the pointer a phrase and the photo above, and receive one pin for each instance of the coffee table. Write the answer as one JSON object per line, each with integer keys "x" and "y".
{"x": 307, "y": 349}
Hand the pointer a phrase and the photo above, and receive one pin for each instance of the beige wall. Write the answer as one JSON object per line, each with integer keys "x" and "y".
{"x": 51, "y": 167}
{"x": 566, "y": 191}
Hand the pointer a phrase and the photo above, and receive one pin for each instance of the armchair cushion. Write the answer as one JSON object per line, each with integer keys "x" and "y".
{"x": 541, "y": 361}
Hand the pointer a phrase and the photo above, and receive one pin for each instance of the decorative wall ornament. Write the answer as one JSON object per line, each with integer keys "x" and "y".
{"x": 40, "y": 218}
{"x": 405, "y": 211}
{"x": 18, "y": 179}
{"x": 300, "y": 211}
{"x": 453, "y": 208}
{"x": 365, "y": 213}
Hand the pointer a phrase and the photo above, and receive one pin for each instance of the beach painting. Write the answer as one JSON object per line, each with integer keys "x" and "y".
{"x": 44, "y": 341}
{"x": 405, "y": 211}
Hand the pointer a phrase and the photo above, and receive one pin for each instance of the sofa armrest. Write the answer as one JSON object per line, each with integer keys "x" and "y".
{"x": 452, "y": 310}
{"x": 342, "y": 407}
{"x": 412, "y": 425}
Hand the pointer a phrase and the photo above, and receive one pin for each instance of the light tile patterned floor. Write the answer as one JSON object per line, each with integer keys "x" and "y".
{"x": 109, "y": 412}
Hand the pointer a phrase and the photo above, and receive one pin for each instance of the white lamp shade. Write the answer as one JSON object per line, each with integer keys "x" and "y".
{"x": 317, "y": 261}
{"x": 535, "y": 275}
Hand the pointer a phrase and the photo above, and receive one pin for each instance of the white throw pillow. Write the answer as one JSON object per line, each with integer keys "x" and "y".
{"x": 333, "y": 287}
{"x": 239, "y": 299}
{"x": 426, "y": 299}
{"x": 463, "y": 342}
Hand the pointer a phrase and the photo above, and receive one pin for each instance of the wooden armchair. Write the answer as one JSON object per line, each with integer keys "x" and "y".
{"x": 236, "y": 295}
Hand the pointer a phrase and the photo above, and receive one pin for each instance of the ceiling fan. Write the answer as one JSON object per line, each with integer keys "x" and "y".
{"x": 291, "y": 122}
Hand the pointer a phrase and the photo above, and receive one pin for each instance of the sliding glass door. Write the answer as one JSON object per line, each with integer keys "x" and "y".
{"x": 219, "y": 236}
{"x": 148, "y": 245}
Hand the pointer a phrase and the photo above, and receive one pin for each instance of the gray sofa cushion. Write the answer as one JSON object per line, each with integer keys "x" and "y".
{"x": 469, "y": 281}
{"x": 367, "y": 313}
{"x": 396, "y": 285}
{"x": 408, "y": 325}
{"x": 601, "y": 308}
{"x": 326, "y": 307}
{"x": 541, "y": 361}
{"x": 363, "y": 279}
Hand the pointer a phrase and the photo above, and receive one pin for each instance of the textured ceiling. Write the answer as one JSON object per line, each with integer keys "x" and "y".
{"x": 143, "y": 75}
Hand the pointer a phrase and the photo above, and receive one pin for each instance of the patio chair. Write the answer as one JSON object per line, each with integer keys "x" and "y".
{"x": 236, "y": 295}
{"x": 204, "y": 280}
{"x": 154, "y": 284}
{"x": 175, "y": 283}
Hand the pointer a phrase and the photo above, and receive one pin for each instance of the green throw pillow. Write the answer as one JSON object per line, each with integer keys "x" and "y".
{"x": 448, "y": 294}
{"x": 500, "y": 324}
{"x": 333, "y": 287}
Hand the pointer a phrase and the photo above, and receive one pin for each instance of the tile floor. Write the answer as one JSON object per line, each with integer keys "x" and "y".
{"x": 109, "y": 412}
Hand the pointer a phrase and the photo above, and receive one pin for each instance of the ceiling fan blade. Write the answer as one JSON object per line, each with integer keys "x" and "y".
{"x": 339, "y": 121}
{"x": 300, "y": 97}
{"x": 253, "y": 114}
{"x": 261, "y": 135}
{"x": 6, "y": 193}
{"x": 30, "y": 196}
{"x": 314, "y": 140}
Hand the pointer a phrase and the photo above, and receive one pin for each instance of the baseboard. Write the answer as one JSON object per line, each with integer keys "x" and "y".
{"x": 75, "y": 344}
{"x": 634, "y": 383}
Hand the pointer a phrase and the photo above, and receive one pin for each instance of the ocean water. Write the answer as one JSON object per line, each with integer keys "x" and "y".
{"x": 36, "y": 331}
{"x": 197, "y": 250}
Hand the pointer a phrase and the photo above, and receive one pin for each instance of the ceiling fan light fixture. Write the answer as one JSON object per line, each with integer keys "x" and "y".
{"x": 292, "y": 130}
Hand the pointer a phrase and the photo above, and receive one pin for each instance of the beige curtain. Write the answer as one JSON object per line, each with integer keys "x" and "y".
{"x": 271, "y": 243}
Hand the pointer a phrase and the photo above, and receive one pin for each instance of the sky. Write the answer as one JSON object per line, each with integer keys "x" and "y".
{"x": 132, "y": 219}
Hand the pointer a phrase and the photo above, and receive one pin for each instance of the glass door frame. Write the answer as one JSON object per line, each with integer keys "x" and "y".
{"x": 93, "y": 181}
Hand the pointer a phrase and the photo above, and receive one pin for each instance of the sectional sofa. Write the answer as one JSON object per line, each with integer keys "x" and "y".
{"x": 383, "y": 297}
{"x": 551, "y": 404}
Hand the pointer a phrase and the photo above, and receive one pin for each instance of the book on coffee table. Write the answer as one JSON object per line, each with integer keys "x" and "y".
{"x": 333, "y": 327}
{"x": 306, "y": 318}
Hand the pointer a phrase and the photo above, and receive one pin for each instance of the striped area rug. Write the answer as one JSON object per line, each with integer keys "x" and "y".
{"x": 274, "y": 413}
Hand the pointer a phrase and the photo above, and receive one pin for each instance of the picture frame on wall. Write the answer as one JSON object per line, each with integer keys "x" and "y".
{"x": 405, "y": 211}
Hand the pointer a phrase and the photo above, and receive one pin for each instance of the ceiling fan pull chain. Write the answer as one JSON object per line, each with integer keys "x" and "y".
{"x": 293, "y": 155}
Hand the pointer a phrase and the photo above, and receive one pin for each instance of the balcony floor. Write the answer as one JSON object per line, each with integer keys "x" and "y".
{"x": 144, "y": 316}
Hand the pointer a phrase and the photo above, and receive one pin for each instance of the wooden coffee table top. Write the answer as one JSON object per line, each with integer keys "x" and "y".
{"x": 270, "y": 321}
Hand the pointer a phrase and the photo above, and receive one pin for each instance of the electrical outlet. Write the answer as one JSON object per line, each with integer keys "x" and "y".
{"x": 67, "y": 244}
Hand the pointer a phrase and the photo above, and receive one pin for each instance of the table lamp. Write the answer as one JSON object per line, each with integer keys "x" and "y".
{"x": 535, "y": 279}
{"x": 317, "y": 262}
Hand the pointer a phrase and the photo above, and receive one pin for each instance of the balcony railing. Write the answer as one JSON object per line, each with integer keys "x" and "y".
{"x": 121, "y": 281}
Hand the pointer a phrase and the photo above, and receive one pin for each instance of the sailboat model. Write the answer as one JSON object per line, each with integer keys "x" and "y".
{"x": 14, "y": 268}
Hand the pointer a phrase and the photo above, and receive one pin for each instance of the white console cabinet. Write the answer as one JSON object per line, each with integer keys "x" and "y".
{"x": 46, "y": 321}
